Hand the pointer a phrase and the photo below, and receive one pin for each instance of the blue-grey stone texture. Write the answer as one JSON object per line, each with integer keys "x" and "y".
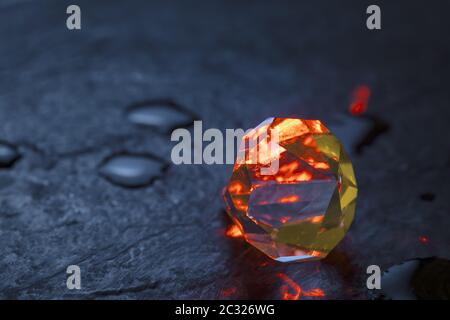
{"x": 65, "y": 98}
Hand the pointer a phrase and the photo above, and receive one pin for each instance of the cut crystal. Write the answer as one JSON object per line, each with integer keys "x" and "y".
{"x": 301, "y": 211}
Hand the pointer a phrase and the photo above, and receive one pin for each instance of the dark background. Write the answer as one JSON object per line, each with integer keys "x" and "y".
{"x": 63, "y": 95}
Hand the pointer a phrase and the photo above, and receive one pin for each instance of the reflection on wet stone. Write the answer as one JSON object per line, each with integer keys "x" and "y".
{"x": 349, "y": 130}
{"x": 163, "y": 115}
{"x": 132, "y": 170}
{"x": 378, "y": 127}
{"x": 8, "y": 155}
{"x": 426, "y": 278}
{"x": 356, "y": 133}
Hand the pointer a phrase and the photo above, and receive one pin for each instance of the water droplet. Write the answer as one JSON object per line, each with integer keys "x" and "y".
{"x": 8, "y": 155}
{"x": 163, "y": 115}
{"x": 396, "y": 281}
{"x": 425, "y": 278}
{"x": 132, "y": 170}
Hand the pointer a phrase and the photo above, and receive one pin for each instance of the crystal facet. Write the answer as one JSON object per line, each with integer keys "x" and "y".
{"x": 303, "y": 210}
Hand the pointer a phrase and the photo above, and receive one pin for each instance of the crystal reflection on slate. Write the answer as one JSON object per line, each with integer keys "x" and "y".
{"x": 426, "y": 278}
{"x": 132, "y": 170}
{"x": 160, "y": 114}
{"x": 349, "y": 130}
{"x": 356, "y": 133}
{"x": 8, "y": 155}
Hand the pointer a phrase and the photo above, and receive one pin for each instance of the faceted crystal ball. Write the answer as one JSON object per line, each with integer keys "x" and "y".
{"x": 301, "y": 211}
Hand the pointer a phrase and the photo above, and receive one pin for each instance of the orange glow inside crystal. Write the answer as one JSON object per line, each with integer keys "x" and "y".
{"x": 301, "y": 211}
{"x": 289, "y": 199}
{"x": 236, "y": 187}
{"x": 233, "y": 232}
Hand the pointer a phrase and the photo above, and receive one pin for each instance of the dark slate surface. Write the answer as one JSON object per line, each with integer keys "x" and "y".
{"x": 63, "y": 102}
